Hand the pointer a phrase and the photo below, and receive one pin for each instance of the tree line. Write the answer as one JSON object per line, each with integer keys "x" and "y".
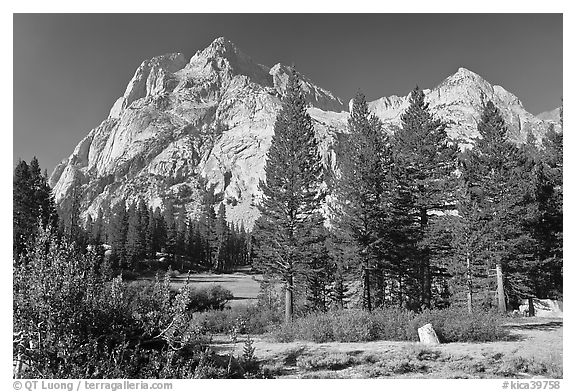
{"x": 407, "y": 218}
{"x": 138, "y": 232}
{"x": 403, "y": 218}
{"x": 134, "y": 231}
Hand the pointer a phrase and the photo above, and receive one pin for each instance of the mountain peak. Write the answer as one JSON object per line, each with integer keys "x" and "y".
{"x": 465, "y": 82}
{"x": 222, "y": 47}
{"x": 464, "y": 74}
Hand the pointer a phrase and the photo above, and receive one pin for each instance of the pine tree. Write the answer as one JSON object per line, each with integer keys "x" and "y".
{"x": 180, "y": 246}
{"x": 321, "y": 270}
{"x": 171, "y": 229}
{"x": 117, "y": 234}
{"x": 160, "y": 233}
{"x": 223, "y": 237}
{"x": 97, "y": 235}
{"x": 144, "y": 214}
{"x": 544, "y": 218}
{"x": 208, "y": 229}
{"x": 363, "y": 190}
{"x": 496, "y": 169}
{"x": 23, "y": 222}
{"x": 151, "y": 241}
{"x": 292, "y": 195}
{"x": 33, "y": 204}
{"x": 470, "y": 238}
{"x": 42, "y": 196}
{"x": 89, "y": 228}
{"x": 135, "y": 246}
{"x": 424, "y": 163}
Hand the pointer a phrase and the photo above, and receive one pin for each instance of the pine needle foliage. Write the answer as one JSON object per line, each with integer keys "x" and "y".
{"x": 292, "y": 195}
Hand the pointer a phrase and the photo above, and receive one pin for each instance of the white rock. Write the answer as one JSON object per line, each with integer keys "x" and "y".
{"x": 214, "y": 116}
{"x": 427, "y": 335}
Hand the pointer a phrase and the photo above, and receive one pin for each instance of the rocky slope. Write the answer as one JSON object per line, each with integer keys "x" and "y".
{"x": 458, "y": 100}
{"x": 551, "y": 116}
{"x": 213, "y": 116}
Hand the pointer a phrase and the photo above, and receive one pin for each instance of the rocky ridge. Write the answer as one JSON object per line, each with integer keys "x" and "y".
{"x": 212, "y": 117}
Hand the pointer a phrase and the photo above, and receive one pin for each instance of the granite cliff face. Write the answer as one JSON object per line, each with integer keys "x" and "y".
{"x": 212, "y": 117}
{"x": 458, "y": 100}
{"x": 178, "y": 120}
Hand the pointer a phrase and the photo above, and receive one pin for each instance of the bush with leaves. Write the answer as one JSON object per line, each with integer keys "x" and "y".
{"x": 73, "y": 319}
{"x": 352, "y": 325}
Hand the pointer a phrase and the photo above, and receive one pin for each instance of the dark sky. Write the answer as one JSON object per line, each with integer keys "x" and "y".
{"x": 69, "y": 68}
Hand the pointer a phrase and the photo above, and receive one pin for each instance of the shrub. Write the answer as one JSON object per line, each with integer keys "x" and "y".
{"x": 549, "y": 367}
{"x": 393, "y": 324}
{"x": 255, "y": 319}
{"x": 451, "y": 325}
{"x": 353, "y": 326}
{"x": 73, "y": 320}
{"x": 330, "y": 361}
{"x": 457, "y": 325}
{"x": 208, "y": 298}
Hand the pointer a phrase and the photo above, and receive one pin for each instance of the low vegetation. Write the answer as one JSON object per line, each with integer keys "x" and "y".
{"x": 74, "y": 319}
{"x": 451, "y": 325}
{"x": 413, "y": 361}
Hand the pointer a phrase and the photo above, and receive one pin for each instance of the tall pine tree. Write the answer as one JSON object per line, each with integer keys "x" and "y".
{"x": 364, "y": 193}
{"x": 424, "y": 162}
{"x": 292, "y": 195}
{"x": 496, "y": 171}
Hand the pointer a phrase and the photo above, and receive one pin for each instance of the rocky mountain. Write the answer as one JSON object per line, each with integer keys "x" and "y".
{"x": 212, "y": 118}
{"x": 550, "y": 116}
{"x": 458, "y": 100}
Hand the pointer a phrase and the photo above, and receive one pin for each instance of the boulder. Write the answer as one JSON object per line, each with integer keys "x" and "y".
{"x": 427, "y": 335}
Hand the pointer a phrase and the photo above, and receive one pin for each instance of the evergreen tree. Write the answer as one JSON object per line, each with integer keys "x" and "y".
{"x": 151, "y": 240}
{"x": 42, "y": 196}
{"x": 208, "y": 229}
{"x": 496, "y": 170}
{"x": 364, "y": 190}
{"x": 424, "y": 163}
{"x": 144, "y": 214}
{"x": 470, "y": 239}
{"x": 160, "y": 232}
{"x": 180, "y": 246}
{"x": 89, "y": 228}
{"x": 223, "y": 236}
{"x": 97, "y": 236}
{"x": 135, "y": 246}
{"x": 117, "y": 234}
{"x": 23, "y": 218}
{"x": 171, "y": 229}
{"x": 321, "y": 270}
{"x": 292, "y": 195}
{"x": 545, "y": 215}
{"x": 33, "y": 204}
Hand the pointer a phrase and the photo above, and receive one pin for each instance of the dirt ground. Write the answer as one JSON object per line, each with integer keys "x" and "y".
{"x": 533, "y": 349}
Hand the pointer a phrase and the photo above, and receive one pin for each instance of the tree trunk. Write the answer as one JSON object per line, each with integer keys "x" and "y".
{"x": 469, "y": 282}
{"x": 367, "y": 301}
{"x": 289, "y": 300}
{"x": 425, "y": 273}
{"x": 531, "y": 310}
{"x": 400, "y": 293}
{"x": 381, "y": 288}
{"x": 500, "y": 281}
{"x": 340, "y": 292}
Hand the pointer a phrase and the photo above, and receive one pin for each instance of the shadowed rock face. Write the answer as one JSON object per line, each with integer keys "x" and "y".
{"x": 213, "y": 117}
